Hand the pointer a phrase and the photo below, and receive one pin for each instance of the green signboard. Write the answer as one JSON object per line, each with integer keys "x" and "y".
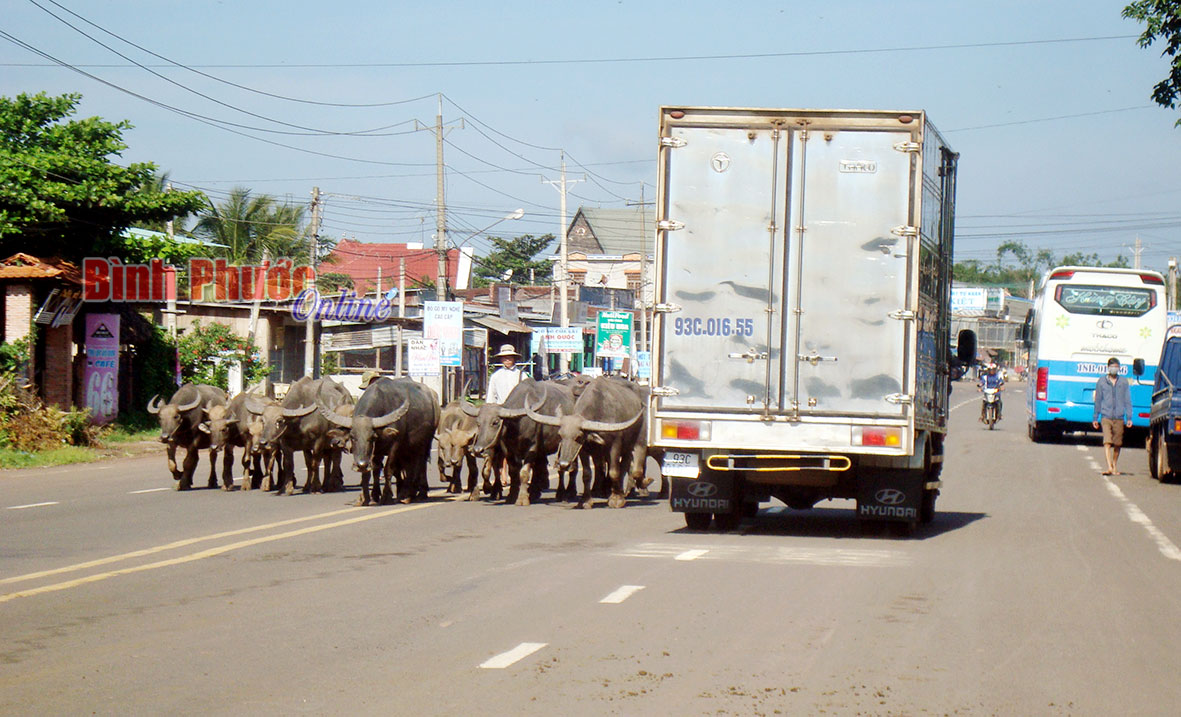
{"x": 615, "y": 334}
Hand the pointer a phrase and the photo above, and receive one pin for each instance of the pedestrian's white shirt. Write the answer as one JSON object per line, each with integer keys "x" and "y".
{"x": 502, "y": 382}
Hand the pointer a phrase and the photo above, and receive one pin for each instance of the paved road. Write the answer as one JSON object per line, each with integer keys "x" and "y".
{"x": 1041, "y": 588}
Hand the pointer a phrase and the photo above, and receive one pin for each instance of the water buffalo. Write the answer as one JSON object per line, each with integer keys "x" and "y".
{"x": 229, "y": 426}
{"x": 410, "y": 450}
{"x": 372, "y": 428}
{"x": 180, "y": 419}
{"x": 278, "y": 421}
{"x": 528, "y": 443}
{"x": 606, "y": 423}
{"x": 489, "y": 443}
{"x": 311, "y": 433}
{"x": 455, "y": 434}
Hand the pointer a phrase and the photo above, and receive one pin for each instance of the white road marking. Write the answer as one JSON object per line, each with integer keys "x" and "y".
{"x": 623, "y": 593}
{"x": 516, "y": 654}
{"x": 775, "y": 555}
{"x": 1167, "y": 547}
{"x": 148, "y": 490}
{"x": 691, "y": 554}
{"x": 1080, "y": 448}
{"x": 32, "y": 505}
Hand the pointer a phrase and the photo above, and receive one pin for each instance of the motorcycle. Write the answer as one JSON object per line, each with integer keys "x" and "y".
{"x": 992, "y": 406}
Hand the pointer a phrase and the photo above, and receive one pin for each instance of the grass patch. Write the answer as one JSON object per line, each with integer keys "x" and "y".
{"x": 124, "y": 434}
{"x": 13, "y": 458}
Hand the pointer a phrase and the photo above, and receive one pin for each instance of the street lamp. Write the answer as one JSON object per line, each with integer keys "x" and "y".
{"x": 516, "y": 214}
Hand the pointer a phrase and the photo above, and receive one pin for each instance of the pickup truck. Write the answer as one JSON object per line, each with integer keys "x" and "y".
{"x": 1164, "y": 419}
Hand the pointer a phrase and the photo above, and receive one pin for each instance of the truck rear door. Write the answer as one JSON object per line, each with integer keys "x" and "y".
{"x": 849, "y": 263}
{"x": 785, "y": 260}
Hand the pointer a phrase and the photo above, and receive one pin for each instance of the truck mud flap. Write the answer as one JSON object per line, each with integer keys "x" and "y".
{"x": 890, "y": 495}
{"x": 710, "y": 493}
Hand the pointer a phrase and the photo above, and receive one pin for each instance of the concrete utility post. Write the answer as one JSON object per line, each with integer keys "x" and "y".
{"x": 309, "y": 346}
{"x": 1172, "y": 283}
{"x": 440, "y": 204}
{"x": 561, "y": 186}
{"x": 640, "y": 300}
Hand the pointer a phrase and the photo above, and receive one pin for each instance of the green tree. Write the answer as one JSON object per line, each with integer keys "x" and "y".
{"x": 512, "y": 259}
{"x": 1030, "y": 265}
{"x": 249, "y": 225}
{"x": 1162, "y": 21}
{"x": 61, "y": 192}
{"x": 205, "y": 352}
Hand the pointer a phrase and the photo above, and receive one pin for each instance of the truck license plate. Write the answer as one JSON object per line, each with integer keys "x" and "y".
{"x": 681, "y": 465}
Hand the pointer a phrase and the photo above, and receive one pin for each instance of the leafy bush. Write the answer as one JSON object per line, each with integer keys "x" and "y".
{"x": 155, "y": 368}
{"x": 206, "y": 353}
{"x": 329, "y": 364}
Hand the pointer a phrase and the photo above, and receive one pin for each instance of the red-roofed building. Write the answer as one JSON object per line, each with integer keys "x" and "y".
{"x": 360, "y": 261}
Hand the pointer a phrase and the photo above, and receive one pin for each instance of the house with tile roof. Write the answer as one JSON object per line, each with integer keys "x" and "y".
{"x": 365, "y": 262}
{"x": 604, "y": 249}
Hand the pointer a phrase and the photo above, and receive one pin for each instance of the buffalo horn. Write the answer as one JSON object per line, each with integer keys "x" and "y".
{"x": 299, "y": 412}
{"x": 334, "y": 417}
{"x": 191, "y": 405}
{"x": 542, "y": 419}
{"x": 254, "y": 405}
{"x": 469, "y": 409}
{"x": 608, "y": 427}
{"x": 387, "y": 419}
{"x": 154, "y": 405}
{"x": 511, "y": 412}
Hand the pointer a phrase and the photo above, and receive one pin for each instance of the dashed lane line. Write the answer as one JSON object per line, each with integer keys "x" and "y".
{"x": 621, "y": 594}
{"x": 1167, "y": 547}
{"x": 774, "y": 555}
{"x": 518, "y": 653}
{"x": 212, "y": 552}
{"x": 148, "y": 490}
{"x": 33, "y": 505}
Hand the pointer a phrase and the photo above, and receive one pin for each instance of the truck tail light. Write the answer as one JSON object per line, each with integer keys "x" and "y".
{"x": 685, "y": 430}
{"x": 1177, "y": 425}
{"x": 1142, "y": 415}
{"x": 877, "y": 436}
{"x": 1043, "y": 383}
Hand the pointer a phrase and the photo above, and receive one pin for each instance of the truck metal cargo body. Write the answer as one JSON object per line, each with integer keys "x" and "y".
{"x": 803, "y": 278}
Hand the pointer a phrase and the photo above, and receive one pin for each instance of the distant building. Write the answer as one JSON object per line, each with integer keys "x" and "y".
{"x": 363, "y": 262}
{"x": 604, "y": 249}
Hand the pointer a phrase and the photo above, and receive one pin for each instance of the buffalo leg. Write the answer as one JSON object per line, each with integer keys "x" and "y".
{"x": 588, "y": 481}
{"x": 472, "y": 473}
{"x": 363, "y": 500}
{"x": 311, "y": 462}
{"x": 615, "y": 473}
{"x": 523, "y": 483}
{"x": 286, "y": 471}
{"x": 176, "y": 474}
{"x": 513, "y": 468}
{"x": 212, "y": 468}
{"x": 189, "y": 467}
{"x": 227, "y": 468}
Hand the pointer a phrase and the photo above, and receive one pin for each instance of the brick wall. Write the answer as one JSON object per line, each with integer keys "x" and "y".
{"x": 18, "y": 311}
{"x": 59, "y": 366}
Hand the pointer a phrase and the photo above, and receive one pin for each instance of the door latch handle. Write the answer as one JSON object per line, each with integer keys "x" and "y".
{"x": 815, "y": 359}
{"x": 750, "y": 356}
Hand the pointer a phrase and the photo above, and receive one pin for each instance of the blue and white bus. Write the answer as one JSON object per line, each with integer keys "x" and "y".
{"x": 1082, "y": 317}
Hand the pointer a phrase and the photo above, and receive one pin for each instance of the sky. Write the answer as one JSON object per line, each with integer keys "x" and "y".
{"x": 1048, "y": 103}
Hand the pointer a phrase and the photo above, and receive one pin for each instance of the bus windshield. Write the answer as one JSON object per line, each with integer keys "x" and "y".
{"x": 1104, "y": 300}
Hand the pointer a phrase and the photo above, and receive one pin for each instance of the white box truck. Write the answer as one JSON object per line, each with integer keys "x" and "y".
{"x": 801, "y": 345}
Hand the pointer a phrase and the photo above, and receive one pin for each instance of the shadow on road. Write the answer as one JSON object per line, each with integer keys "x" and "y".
{"x": 837, "y": 523}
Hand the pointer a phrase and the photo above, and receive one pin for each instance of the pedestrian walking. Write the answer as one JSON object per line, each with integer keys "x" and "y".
{"x": 1113, "y": 412}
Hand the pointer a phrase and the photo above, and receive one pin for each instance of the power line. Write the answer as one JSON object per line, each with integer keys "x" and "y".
{"x": 625, "y": 60}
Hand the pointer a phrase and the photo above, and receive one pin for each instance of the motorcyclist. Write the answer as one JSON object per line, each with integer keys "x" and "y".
{"x": 991, "y": 379}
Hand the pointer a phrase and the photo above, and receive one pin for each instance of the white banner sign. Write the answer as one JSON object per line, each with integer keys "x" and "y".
{"x": 423, "y": 357}
{"x": 443, "y": 320}
{"x": 558, "y": 340}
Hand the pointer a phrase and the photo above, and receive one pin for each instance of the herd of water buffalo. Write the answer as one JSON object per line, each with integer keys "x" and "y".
{"x": 597, "y": 424}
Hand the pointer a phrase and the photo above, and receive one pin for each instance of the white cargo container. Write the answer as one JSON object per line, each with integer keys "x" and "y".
{"x": 801, "y": 341}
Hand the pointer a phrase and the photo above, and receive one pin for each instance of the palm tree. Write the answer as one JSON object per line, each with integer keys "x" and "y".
{"x": 252, "y": 227}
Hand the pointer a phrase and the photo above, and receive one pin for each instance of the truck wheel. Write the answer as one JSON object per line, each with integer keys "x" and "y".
{"x": 697, "y": 521}
{"x": 927, "y": 509}
{"x": 726, "y": 522}
{"x": 1153, "y": 446}
{"x": 1164, "y": 471}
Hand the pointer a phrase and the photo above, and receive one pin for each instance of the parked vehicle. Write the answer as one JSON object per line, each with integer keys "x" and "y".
{"x": 1082, "y": 317}
{"x": 1164, "y": 421}
{"x": 802, "y": 325}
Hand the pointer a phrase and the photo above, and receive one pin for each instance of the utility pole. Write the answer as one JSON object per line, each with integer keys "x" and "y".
{"x": 1136, "y": 250}
{"x": 309, "y": 337}
{"x": 440, "y": 204}
{"x": 1172, "y": 303}
{"x": 170, "y": 306}
{"x": 376, "y": 298}
{"x": 561, "y": 186}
